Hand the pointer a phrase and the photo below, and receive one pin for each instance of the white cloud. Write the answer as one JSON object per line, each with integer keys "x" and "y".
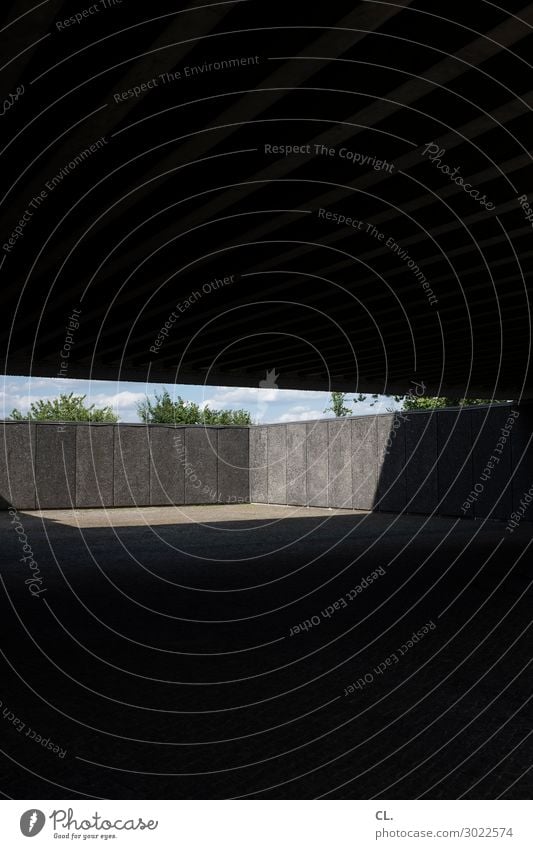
{"x": 9, "y": 400}
{"x": 301, "y": 414}
{"x": 229, "y": 395}
{"x": 119, "y": 401}
{"x": 265, "y": 405}
{"x": 123, "y": 404}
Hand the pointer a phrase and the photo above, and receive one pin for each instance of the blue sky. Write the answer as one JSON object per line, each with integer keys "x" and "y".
{"x": 265, "y": 405}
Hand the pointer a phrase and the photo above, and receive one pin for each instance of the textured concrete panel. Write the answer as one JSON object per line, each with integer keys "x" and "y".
{"x": 201, "y": 471}
{"x": 455, "y": 466}
{"x": 421, "y": 462}
{"x": 94, "y": 465}
{"x": 317, "y": 464}
{"x": 17, "y": 456}
{"x": 522, "y": 462}
{"x": 131, "y": 483}
{"x": 55, "y": 465}
{"x": 167, "y": 465}
{"x": 233, "y": 462}
{"x": 391, "y": 463}
{"x": 495, "y": 500}
{"x": 277, "y": 464}
{"x": 258, "y": 465}
{"x": 340, "y": 464}
{"x": 364, "y": 462}
{"x": 296, "y": 464}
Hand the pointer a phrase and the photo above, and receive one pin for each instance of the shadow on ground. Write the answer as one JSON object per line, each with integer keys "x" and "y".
{"x": 165, "y": 655}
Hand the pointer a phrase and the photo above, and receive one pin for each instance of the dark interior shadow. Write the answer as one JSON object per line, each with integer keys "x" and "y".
{"x": 209, "y": 661}
{"x": 471, "y": 463}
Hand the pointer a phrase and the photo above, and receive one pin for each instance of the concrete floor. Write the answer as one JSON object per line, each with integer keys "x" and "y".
{"x": 165, "y": 654}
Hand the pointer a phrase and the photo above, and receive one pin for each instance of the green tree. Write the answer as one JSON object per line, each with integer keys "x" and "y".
{"x": 163, "y": 410}
{"x": 337, "y": 405}
{"x": 361, "y": 397}
{"x": 425, "y": 402}
{"x": 66, "y": 408}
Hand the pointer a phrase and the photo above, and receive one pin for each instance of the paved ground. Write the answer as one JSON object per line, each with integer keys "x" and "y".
{"x": 263, "y": 651}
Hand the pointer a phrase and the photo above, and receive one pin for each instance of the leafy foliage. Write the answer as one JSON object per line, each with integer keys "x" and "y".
{"x": 361, "y": 397}
{"x": 337, "y": 405}
{"x": 66, "y": 408}
{"x": 424, "y": 402}
{"x": 163, "y": 410}
{"x": 409, "y": 402}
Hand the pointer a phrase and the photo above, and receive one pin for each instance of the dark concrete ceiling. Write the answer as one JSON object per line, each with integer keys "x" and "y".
{"x": 184, "y": 188}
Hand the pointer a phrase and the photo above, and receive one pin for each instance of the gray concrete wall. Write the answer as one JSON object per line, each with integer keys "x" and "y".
{"x": 51, "y": 466}
{"x": 277, "y": 464}
{"x": 340, "y": 463}
{"x": 391, "y": 495}
{"x": 233, "y": 465}
{"x": 55, "y": 467}
{"x": 364, "y": 462}
{"x": 522, "y": 463}
{"x": 131, "y": 469}
{"x": 454, "y": 466}
{"x": 167, "y": 479}
{"x": 473, "y": 463}
{"x": 258, "y": 465}
{"x": 296, "y": 463}
{"x": 17, "y": 473}
{"x": 417, "y": 462}
{"x": 201, "y": 467}
{"x": 94, "y": 465}
{"x": 317, "y": 464}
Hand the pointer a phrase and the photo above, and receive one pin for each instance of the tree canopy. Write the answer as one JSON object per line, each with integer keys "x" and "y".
{"x": 337, "y": 405}
{"x": 163, "y": 410}
{"x": 408, "y": 402}
{"x": 66, "y": 408}
{"x": 424, "y": 402}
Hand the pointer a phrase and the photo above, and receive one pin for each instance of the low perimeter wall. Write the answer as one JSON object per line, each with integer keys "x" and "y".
{"x": 45, "y": 465}
{"x": 467, "y": 463}
{"x": 472, "y": 462}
